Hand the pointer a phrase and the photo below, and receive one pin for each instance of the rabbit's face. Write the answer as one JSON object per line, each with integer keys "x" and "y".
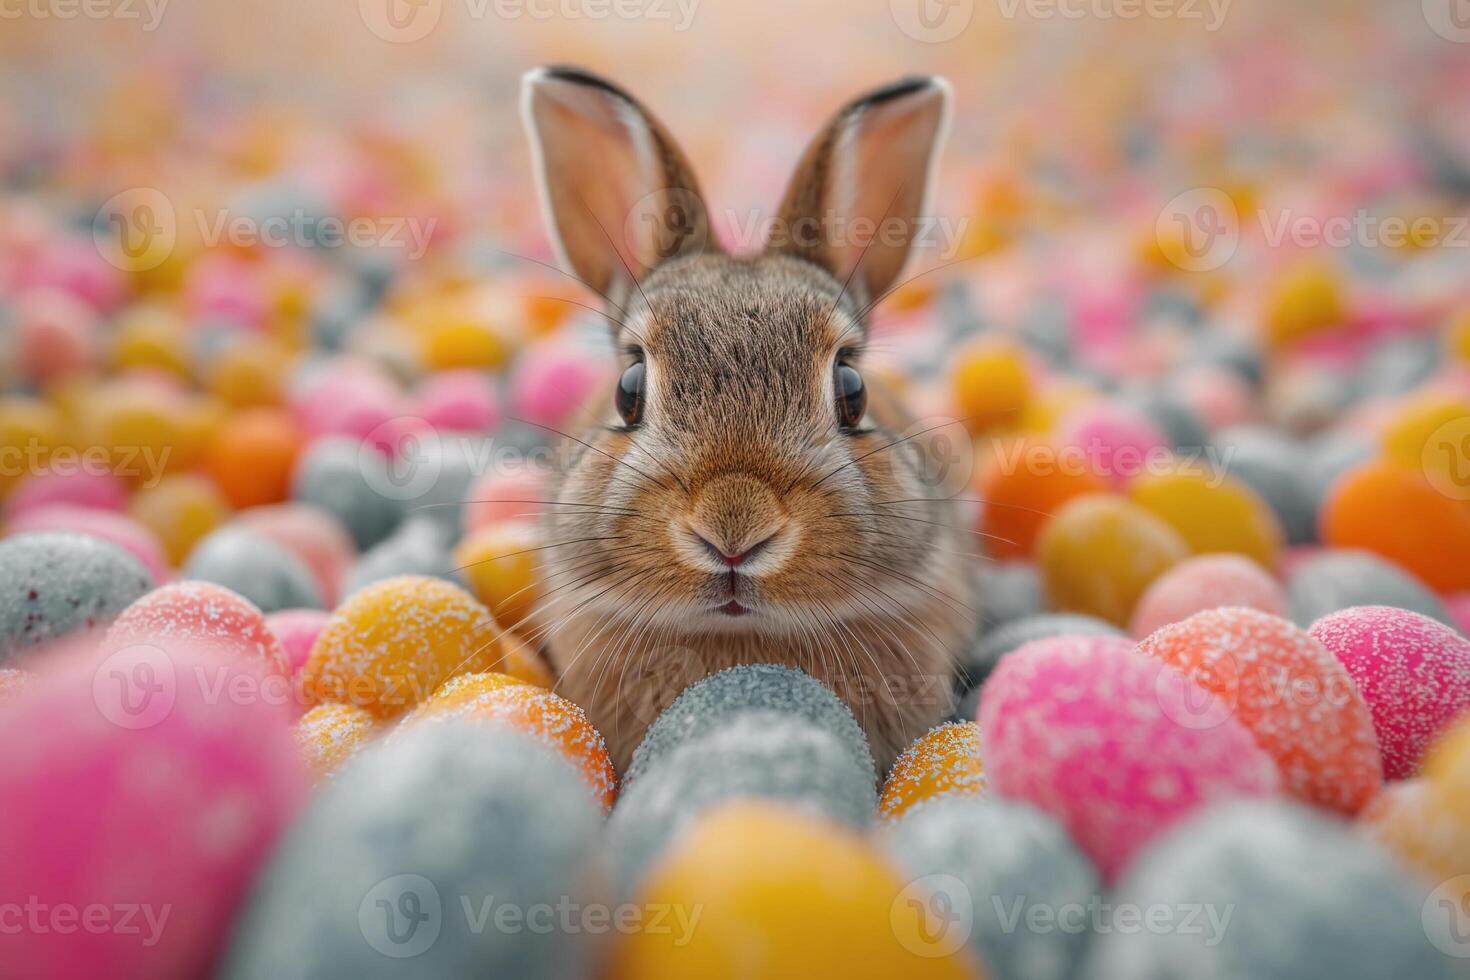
{"x": 744, "y": 475}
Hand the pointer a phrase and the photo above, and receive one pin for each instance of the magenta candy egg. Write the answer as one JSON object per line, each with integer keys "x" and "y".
{"x": 1413, "y": 672}
{"x": 1206, "y": 582}
{"x": 458, "y": 401}
{"x": 140, "y": 801}
{"x": 108, "y": 525}
{"x": 498, "y": 497}
{"x": 552, "y": 379}
{"x": 297, "y": 629}
{"x": 311, "y": 534}
{"x": 1116, "y": 442}
{"x": 1458, "y": 606}
{"x": 1114, "y": 745}
{"x": 71, "y": 480}
{"x": 54, "y": 335}
{"x": 189, "y": 617}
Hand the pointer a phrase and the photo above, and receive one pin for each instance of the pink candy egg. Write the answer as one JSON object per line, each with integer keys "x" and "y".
{"x": 139, "y": 804}
{"x": 1115, "y": 746}
{"x": 1218, "y": 396}
{"x": 54, "y": 335}
{"x": 1117, "y": 443}
{"x": 459, "y": 401}
{"x": 70, "y": 481}
{"x": 311, "y": 534}
{"x": 552, "y": 379}
{"x": 75, "y": 266}
{"x": 187, "y": 617}
{"x": 1413, "y": 672}
{"x": 498, "y": 497}
{"x": 117, "y": 528}
{"x": 1206, "y": 582}
{"x": 225, "y": 288}
{"x": 297, "y": 629}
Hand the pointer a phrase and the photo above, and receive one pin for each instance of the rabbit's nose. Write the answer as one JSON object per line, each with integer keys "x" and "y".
{"x": 735, "y": 519}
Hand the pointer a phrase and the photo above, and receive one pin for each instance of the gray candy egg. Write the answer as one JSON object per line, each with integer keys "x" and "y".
{"x": 350, "y": 479}
{"x": 57, "y": 583}
{"x": 256, "y": 567}
{"x": 1336, "y": 580}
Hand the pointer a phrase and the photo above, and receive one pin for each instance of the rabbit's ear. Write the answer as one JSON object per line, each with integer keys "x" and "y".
{"x": 857, "y": 198}
{"x": 618, "y": 193}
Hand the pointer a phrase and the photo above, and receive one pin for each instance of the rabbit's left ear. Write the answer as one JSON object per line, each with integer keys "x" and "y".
{"x": 857, "y": 198}
{"x": 619, "y": 194}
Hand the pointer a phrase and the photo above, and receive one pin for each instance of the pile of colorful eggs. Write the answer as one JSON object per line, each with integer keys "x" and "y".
{"x": 273, "y": 686}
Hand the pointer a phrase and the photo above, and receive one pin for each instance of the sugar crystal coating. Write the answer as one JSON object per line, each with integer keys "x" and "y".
{"x": 945, "y": 761}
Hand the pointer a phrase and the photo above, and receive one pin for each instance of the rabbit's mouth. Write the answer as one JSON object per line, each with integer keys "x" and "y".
{"x": 732, "y": 608}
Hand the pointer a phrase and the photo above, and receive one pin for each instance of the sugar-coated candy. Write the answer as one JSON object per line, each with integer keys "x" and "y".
{"x": 358, "y": 888}
{"x": 190, "y": 617}
{"x": 461, "y": 401}
{"x": 1413, "y": 672}
{"x": 783, "y": 893}
{"x": 1099, "y": 553}
{"x": 58, "y": 583}
{"x": 1057, "y": 712}
{"x": 998, "y": 642}
{"x": 943, "y": 762}
{"x": 349, "y": 480}
{"x": 123, "y": 531}
{"x": 1338, "y": 579}
{"x": 1206, "y": 582}
{"x": 297, "y": 630}
{"x": 1289, "y": 878}
{"x": 1001, "y": 862}
{"x": 716, "y": 700}
{"x": 762, "y": 754}
{"x": 330, "y": 734}
{"x": 253, "y": 565}
{"x": 137, "y": 788}
{"x": 1396, "y": 512}
{"x": 27, "y": 426}
{"x": 1411, "y": 818}
{"x": 393, "y": 643}
{"x": 551, "y": 380}
{"x": 1212, "y": 512}
{"x": 550, "y": 719}
{"x": 82, "y": 487}
{"x": 1297, "y": 699}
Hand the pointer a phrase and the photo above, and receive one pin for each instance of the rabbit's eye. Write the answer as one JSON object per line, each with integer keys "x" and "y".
{"x": 852, "y": 395}
{"x": 629, "y": 396}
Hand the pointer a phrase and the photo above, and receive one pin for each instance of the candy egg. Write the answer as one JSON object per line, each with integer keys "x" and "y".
{"x": 1271, "y": 465}
{"x": 314, "y": 536}
{"x": 1290, "y": 692}
{"x": 1412, "y": 820}
{"x": 254, "y": 566}
{"x": 943, "y": 762}
{"x": 143, "y": 801}
{"x": 1099, "y": 553}
{"x": 499, "y": 563}
{"x": 351, "y": 482}
{"x": 1396, "y": 512}
{"x": 1212, "y": 512}
{"x": 30, "y": 430}
{"x": 55, "y": 336}
{"x": 330, "y": 734}
{"x": 1276, "y": 870}
{"x": 461, "y": 401}
{"x": 1334, "y": 580}
{"x": 58, "y": 584}
{"x": 358, "y": 888}
{"x": 180, "y": 509}
{"x": 1206, "y": 582}
{"x": 187, "y": 617}
{"x": 716, "y": 700}
{"x": 998, "y": 642}
{"x": 252, "y": 456}
{"x": 297, "y": 629}
{"x": 990, "y": 384}
{"x": 418, "y": 547}
{"x": 1118, "y": 442}
{"x": 1413, "y": 672}
{"x": 552, "y": 380}
{"x": 498, "y": 497}
{"x": 392, "y": 644}
{"x": 1005, "y": 863}
{"x": 126, "y": 533}
{"x": 1057, "y": 710}
{"x": 77, "y": 483}
{"x": 1023, "y": 487}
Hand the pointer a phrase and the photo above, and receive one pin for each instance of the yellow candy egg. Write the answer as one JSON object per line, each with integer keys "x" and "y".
{"x": 389, "y": 646}
{"x": 1411, "y": 819}
{"x": 499, "y": 563}
{"x": 990, "y": 385}
{"x": 1100, "y": 552}
{"x": 1305, "y": 300}
{"x": 29, "y": 431}
{"x": 944, "y": 762}
{"x": 180, "y": 509}
{"x": 782, "y": 894}
{"x": 330, "y": 734}
{"x": 522, "y": 661}
{"x": 463, "y": 343}
{"x": 1213, "y": 513}
{"x": 151, "y": 337}
{"x": 1425, "y": 418}
{"x": 249, "y": 372}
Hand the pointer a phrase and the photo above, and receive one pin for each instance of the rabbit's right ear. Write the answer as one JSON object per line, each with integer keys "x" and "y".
{"x": 618, "y": 193}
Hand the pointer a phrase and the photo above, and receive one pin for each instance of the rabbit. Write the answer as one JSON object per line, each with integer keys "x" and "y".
{"x": 744, "y": 493}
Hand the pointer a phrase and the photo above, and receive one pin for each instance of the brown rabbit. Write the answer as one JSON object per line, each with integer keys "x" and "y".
{"x": 744, "y": 495}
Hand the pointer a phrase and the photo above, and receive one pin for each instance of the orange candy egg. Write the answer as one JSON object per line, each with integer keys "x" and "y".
{"x": 944, "y": 762}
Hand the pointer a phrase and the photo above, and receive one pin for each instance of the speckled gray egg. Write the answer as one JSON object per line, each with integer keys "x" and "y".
{"x": 765, "y": 754}
{"x": 1271, "y": 464}
{"x": 714, "y": 701}
{"x": 256, "y": 567}
{"x": 351, "y": 481}
{"x": 448, "y": 852}
{"x": 1025, "y": 886}
{"x": 420, "y": 546}
{"x": 1265, "y": 890}
{"x": 1336, "y": 580}
{"x": 57, "y": 583}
